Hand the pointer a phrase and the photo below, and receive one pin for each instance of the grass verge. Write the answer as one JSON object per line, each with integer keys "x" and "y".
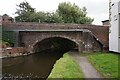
{"x": 66, "y": 67}
{"x": 106, "y": 64}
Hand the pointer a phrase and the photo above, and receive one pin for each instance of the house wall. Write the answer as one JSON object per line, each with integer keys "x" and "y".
{"x": 119, "y": 26}
{"x": 114, "y": 41}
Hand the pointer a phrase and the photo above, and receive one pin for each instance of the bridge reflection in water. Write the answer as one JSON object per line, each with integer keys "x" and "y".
{"x": 35, "y": 65}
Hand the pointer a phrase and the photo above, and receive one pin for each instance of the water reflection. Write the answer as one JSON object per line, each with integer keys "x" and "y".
{"x": 35, "y": 65}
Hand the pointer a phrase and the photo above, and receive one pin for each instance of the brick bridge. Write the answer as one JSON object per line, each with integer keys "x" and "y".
{"x": 86, "y": 37}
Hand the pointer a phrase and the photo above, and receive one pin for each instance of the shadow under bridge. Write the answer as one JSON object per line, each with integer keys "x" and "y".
{"x": 55, "y": 43}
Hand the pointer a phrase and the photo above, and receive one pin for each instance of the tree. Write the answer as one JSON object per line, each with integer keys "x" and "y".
{"x": 45, "y": 17}
{"x": 28, "y": 14}
{"x": 53, "y": 18}
{"x": 38, "y": 17}
{"x": 66, "y": 13}
{"x": 71, "y": 13}
{"x": 24, "y": 11}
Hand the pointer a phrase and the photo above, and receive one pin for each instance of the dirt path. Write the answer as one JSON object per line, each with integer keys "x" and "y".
{"x": 88, "y": 70}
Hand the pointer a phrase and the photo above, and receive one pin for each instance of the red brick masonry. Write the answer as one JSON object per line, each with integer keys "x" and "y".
{"x": 14, "y": 51}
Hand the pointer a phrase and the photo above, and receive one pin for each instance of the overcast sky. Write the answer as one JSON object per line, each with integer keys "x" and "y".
{"x": 97, "y": 9}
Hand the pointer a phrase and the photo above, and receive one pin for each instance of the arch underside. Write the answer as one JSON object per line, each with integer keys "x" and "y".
{"x": 55, "y": 43}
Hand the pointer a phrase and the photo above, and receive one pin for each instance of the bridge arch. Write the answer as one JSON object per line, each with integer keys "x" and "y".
{"x": 54, "y": 42}
{"x": 85, "y": 40}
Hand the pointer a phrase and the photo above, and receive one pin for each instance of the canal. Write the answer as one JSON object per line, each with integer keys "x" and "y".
{"x": 37, "y": 65}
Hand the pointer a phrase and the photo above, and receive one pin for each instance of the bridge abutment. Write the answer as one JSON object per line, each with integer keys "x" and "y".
{"x": 80, "y": 47}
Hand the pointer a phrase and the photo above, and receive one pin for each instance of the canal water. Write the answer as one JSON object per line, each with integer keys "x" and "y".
{"x": 37, "y": 65}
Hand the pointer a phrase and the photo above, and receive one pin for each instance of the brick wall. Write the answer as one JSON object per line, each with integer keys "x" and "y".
{"x": 15, "y": 51}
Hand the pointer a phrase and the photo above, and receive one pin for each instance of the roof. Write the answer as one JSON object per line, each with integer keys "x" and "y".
{"x": 105, "y": 21}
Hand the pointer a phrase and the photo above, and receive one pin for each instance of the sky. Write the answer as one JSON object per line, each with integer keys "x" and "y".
{"x": 97, "y": 9}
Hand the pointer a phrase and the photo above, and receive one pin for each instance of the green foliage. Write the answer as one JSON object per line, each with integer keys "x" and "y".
{"x": 24, "y": 11}
{"x": 71, "y": 13}
{"x": 54, "y": 18}
{"x": 66, "y": 13}
{"x": 47, "y": 17}
{"x": 8, "y": 36}
{"x": 39, "y": 16}
{"x": 65, "y": 68}
{"x": 106, "y": 64}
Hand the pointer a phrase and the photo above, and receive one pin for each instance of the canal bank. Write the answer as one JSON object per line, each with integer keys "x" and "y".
{"x": 74, "y": 66}
{"x": 66, "y": 67}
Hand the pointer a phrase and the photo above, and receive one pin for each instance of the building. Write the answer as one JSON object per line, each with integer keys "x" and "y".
{"x": 114, "y": 31}
{"x": 6, "y": 19}
{"x": 106, "y": 22}
{"x": 0, "y": 20}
